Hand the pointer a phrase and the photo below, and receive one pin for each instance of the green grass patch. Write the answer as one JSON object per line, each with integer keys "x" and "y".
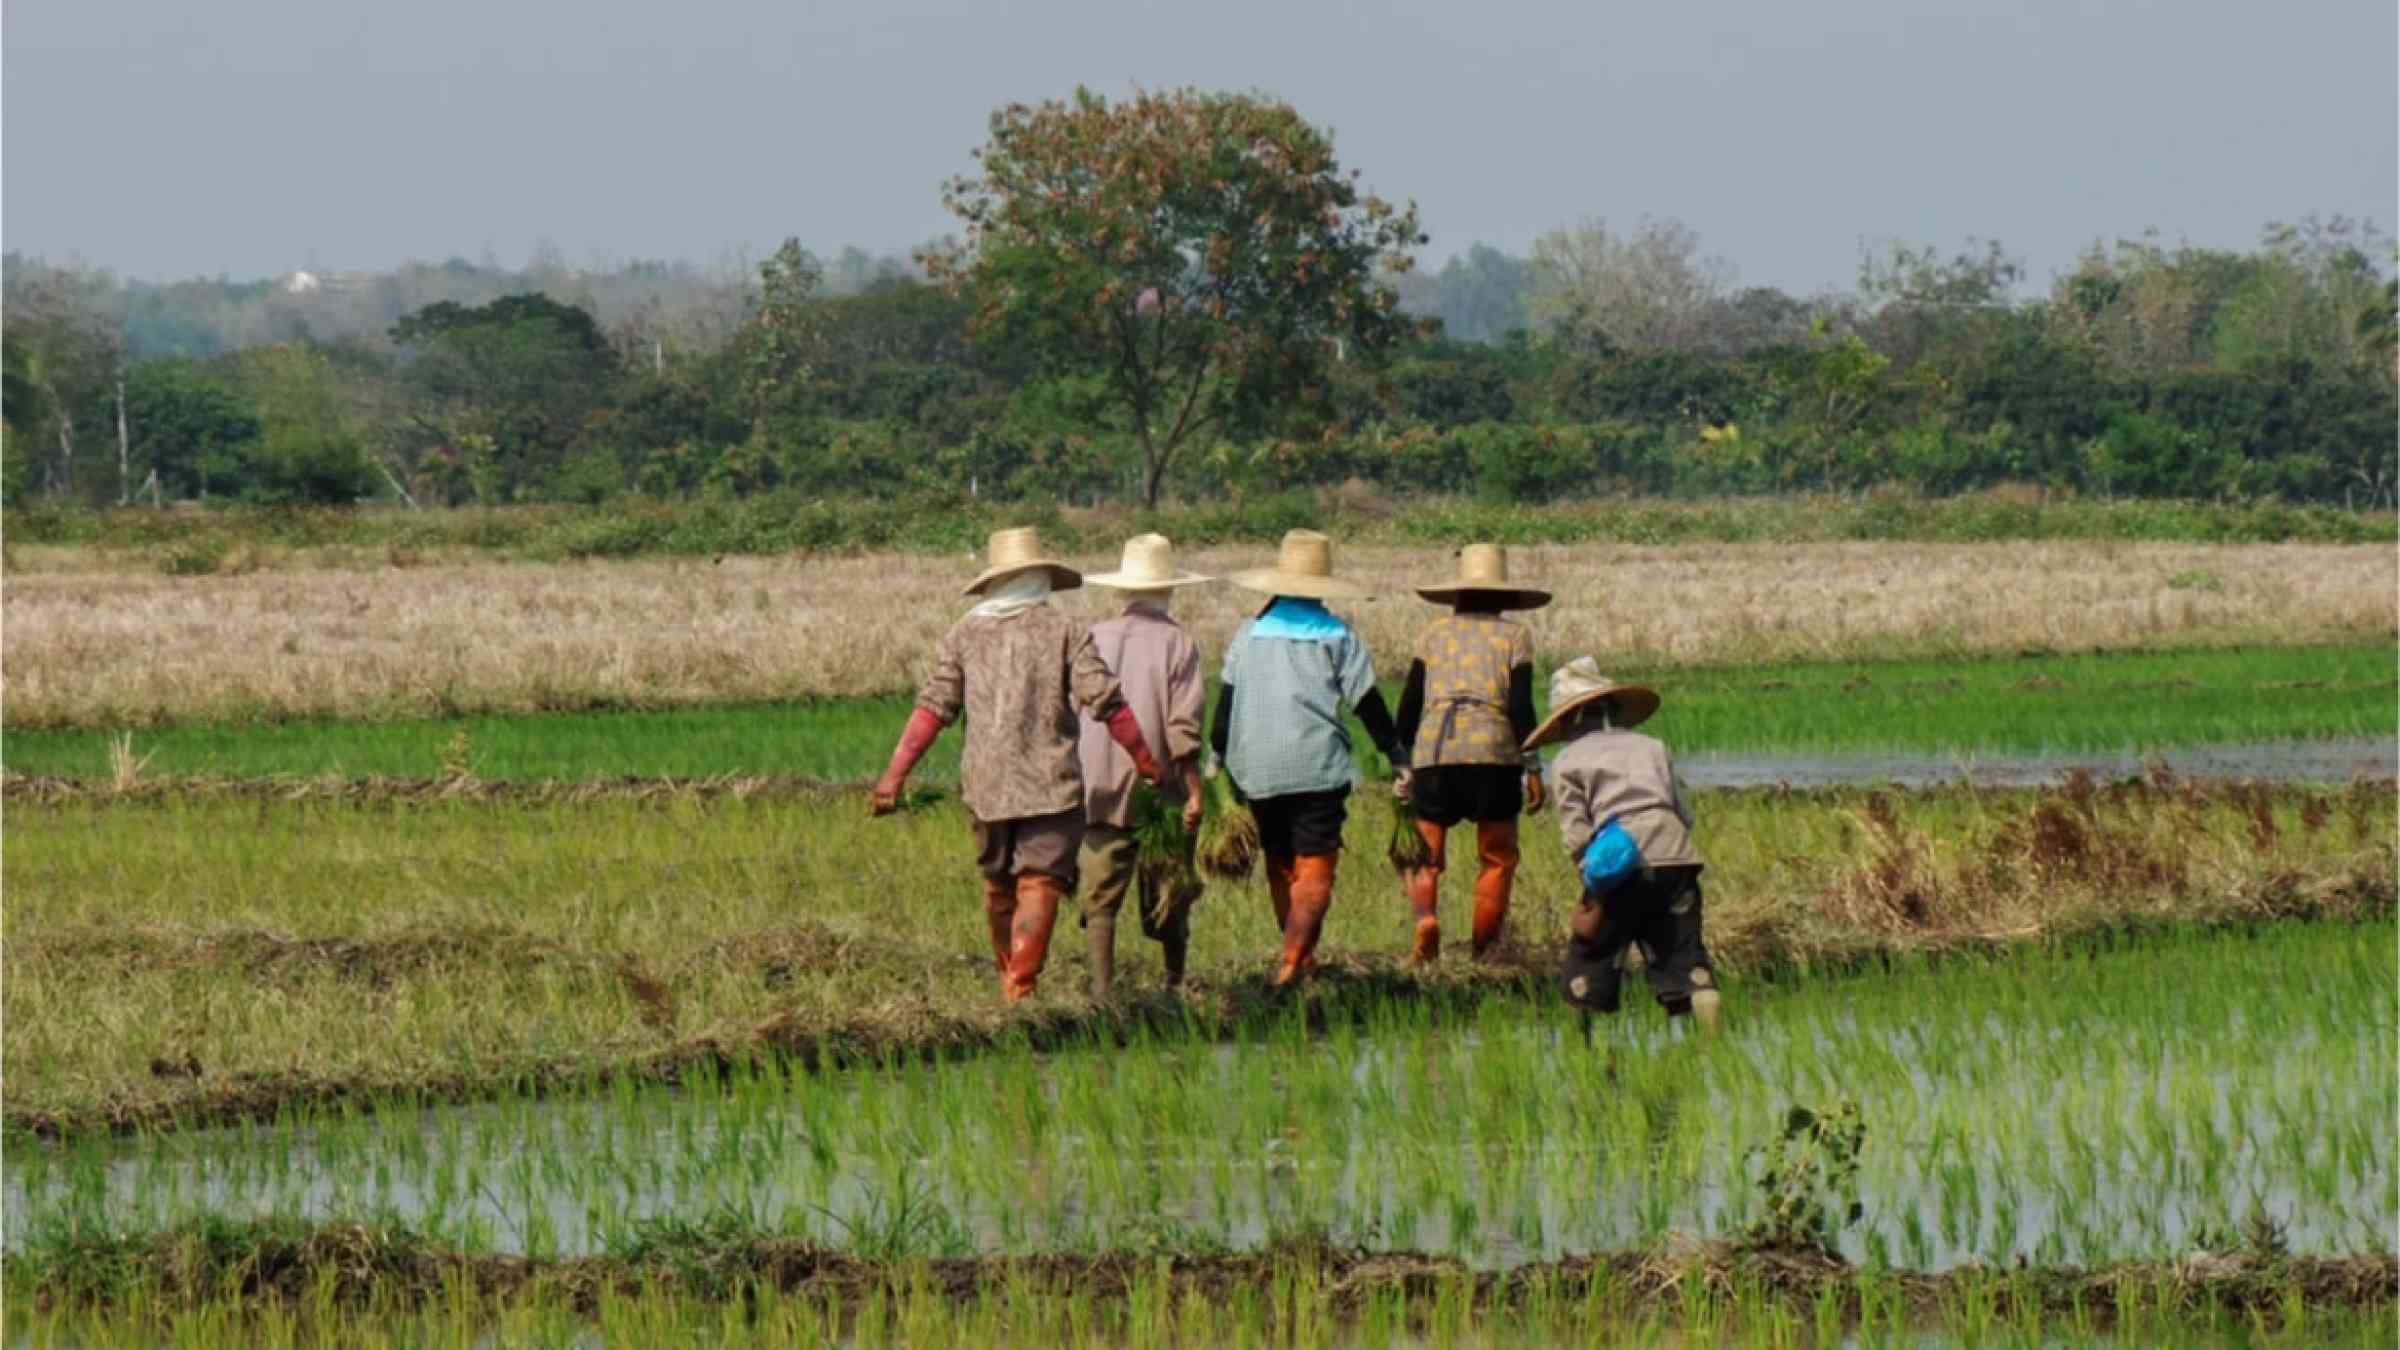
{"x": 2052, "y": 1106}
{"x": 184, "y": 958}
{"x": 2047, "y": 702}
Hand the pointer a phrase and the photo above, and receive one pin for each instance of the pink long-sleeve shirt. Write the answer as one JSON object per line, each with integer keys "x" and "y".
{"x": 1158, "y": 670}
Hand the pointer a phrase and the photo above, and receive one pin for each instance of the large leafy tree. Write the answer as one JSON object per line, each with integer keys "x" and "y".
{"x": 191, "y": 425}
{"x": 1203, "y": 254}
{"x": 522, "y": 373}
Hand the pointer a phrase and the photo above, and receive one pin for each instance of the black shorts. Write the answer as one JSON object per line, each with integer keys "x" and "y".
{"x": 1301, "y": 824}
{"x": 1659, "y": 910}
{"x": 1446, "y": 794}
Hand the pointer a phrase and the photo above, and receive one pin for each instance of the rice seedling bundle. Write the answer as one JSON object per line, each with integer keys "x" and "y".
{"x": 1408, "y": 849}
{"x": 1227, "y": 845}
{"x": 1162, "y": 852}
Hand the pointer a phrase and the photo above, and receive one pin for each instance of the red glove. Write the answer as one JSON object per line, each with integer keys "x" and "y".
{"x": 1127, "y": 733}
{"x": 923, "y": 726}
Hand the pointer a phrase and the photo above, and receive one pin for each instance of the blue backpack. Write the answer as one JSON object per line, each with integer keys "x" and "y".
{"x": 1610, "y": 860}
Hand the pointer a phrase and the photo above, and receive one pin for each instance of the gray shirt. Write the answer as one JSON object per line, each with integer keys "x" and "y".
{"x": 1630, "y": 776}
{"x": 1287, "y": 733}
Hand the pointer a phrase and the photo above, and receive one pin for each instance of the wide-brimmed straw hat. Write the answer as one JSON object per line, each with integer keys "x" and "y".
{"x": 1148, "y": 564}
{"x": 1303, "y": 567}
{"x": 1483, "y": 571}
{"x": 1579, "y": 682}
{"x": 1020, "y": 550}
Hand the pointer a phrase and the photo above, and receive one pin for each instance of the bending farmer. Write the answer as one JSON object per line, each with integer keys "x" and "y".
{"x": 1288, "y": 673}
{"x": 1158, "y": 669}
{"x": 1467, "y": 707}
{"x": 1019, "y": 669}
{"x": 1622, "y": 813}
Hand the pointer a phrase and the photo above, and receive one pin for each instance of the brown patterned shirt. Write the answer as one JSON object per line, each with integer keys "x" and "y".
{"x": 1468, "y": 658}
{"x": 1020, "y": 680}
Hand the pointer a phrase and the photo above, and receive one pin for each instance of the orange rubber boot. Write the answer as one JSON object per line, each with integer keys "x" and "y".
{"x": 1312, "y": 895}
{"x": 1496, "y": 850}
{"x": 1038, "y": 898}
{"x": 1000, "y": 914}
{"x": 1424, "y": 887}
{"x": 1279, "y": 889}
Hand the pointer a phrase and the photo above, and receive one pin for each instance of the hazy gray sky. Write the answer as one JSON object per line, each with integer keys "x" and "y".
{"x": 165, "y": 138}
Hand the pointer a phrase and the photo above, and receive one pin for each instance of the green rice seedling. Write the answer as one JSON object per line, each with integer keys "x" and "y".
{"x": 1407, "y": 850}
{"x": 1227, "y": 844}
{"x": 1163, "y": 852}
{"x": 1448, "y": 1127}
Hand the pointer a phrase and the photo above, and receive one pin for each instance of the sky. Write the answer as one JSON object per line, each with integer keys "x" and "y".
{"x": 164, "y": 139}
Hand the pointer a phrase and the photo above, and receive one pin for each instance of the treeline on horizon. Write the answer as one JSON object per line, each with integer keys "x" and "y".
{"x": 1606, "y": 362}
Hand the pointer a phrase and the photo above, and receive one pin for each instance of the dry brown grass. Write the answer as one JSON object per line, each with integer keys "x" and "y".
{"x": 97, "y": 646}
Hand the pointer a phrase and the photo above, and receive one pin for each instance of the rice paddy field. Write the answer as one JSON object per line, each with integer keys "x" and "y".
{"x": 542, "y": 993}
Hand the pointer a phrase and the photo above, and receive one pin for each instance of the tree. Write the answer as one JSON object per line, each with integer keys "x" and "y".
{"x": 2302, "y": 296}
{"x": 308, "y": 447}
{"x": 1602, "y": 291}
{"x": 1478, "y": 295}
{"x": 782, "y": 339}
{"x": 189, "y": 425}
{"x": 66, "y": 355}
{"x": 1921, "y": 304}
{"x": 524, "y": 370}
{"x": 1205, "y": 255}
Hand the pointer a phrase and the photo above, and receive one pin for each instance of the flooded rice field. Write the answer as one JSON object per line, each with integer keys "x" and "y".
{"x": 2332, "y": 761}
{"x": 2053, "y": 1106}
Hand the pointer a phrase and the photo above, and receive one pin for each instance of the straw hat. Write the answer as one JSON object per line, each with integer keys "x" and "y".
{"x": 1579, "y": 682}
{"x": 1020, "y": 550}
{"x": 1303, "y": 567}
{"x": 1483, "y": 570}
{"x": 1147, "y": 565}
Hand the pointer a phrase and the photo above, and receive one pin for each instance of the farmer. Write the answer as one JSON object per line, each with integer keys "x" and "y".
{"x": 1159, "y": 670}
{"x": 1288, "y": 673}
{"x": 1466, "y": 708}
{"x": 1628, "y": 829}
{"x": 1019, "y": 669}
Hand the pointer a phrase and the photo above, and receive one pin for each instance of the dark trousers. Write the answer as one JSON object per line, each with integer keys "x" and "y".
{"x": 1659, "y": 909}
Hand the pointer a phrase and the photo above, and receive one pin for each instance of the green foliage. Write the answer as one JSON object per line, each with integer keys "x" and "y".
{"x": 780, "y": 344}
{"x": 24, "y": 399}
{"x": 1514, "y": 462}
{"x": 192, "y": 425}
{"x": 1204, "y": 253}
{"x": 523, "y": 371}
{"x": 1808, "y": 1178}
{"x": 2140, "y": 455}
{"x": 1267, "y": 361}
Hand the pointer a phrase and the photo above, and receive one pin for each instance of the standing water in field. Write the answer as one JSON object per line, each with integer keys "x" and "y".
{"x": 2338, "y": 760}
{"x": 2060, "y": 1106}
